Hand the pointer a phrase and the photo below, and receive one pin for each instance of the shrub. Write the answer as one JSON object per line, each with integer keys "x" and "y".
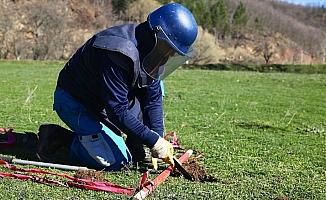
{"x": 207, "y": 49}
{"x": 138, "y": 10}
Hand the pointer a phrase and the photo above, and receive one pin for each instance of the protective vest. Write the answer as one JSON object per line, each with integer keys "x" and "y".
{"x": 81, "y": 75}
{"x": 120, "y": 39}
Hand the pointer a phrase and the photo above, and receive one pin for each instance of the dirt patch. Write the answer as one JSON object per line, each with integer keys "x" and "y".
{"x": 90, "y": 175}
{"x": 197, "y": 171}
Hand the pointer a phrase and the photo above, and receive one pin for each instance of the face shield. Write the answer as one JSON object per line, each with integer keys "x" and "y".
{"x": 164, "y": 58}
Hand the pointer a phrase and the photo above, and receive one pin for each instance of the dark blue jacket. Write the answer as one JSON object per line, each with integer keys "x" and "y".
{"x": 104, "y": 75}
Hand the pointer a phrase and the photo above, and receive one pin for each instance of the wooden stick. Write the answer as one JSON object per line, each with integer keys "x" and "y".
{"x": 142, "y": 194}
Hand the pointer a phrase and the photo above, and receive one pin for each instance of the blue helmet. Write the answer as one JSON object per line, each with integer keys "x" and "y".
{"x": 178, "y": 26}
{"x": 175, "y": 31}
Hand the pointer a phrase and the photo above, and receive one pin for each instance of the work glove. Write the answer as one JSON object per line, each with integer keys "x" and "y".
{"x": 154, "y": 163}
{"x": 164, "y": 150}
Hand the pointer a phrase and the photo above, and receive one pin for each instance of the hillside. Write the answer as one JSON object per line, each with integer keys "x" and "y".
{"x": 275, "y": 32}
{"x": 41, "y": 29}
{"x": 303, "y": 29}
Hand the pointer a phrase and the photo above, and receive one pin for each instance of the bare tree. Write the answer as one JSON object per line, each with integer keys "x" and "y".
{"x": 5, "y": 27}
{"x": 268, "y": 52}
{"x": 265, "y": 49}
{"x": 323, "y": 48}
{"x": 48, "y": 27}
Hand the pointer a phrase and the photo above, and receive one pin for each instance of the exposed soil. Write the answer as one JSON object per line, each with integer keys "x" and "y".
{"x": 197, "y": 171}
{"x": 90, "y": 175}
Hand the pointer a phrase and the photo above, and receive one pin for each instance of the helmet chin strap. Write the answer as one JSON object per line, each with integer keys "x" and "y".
{"x": 146, "y": 42}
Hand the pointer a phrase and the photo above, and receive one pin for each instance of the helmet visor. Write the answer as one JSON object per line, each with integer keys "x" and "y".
{"x": 159, "y": 55}
{"x": 163, "y": 58}
{"x": 171, "y": 65}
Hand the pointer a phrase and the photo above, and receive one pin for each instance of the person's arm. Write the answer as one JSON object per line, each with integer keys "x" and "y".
{"x": 150, "y": 99}
{"x": 115, "y": 84}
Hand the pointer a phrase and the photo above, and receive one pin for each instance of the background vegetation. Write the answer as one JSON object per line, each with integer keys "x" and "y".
{"x": 246, "y": 31}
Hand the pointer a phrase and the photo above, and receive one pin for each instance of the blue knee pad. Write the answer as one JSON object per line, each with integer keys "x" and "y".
{"x": 102, "y": 151}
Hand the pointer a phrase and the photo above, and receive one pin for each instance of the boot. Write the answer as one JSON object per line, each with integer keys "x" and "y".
{"x": 54, "y": 143}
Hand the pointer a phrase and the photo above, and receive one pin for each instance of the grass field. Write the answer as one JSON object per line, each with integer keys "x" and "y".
{"x": 262, "y": 134}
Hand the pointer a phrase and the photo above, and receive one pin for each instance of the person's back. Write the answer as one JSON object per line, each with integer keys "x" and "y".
{"x": 83, "y": 73}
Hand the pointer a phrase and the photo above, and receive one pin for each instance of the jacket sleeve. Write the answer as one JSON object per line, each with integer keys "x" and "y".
{"x": 115, "y": 84}
{"x": 150, "y": 99}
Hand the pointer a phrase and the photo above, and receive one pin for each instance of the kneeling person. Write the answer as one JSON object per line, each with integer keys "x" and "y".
{"x": 114, "y": 67}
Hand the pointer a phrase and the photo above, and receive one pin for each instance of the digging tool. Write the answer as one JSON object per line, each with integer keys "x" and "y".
{"x": 13, "y": 160}
{"x": 181, "y": 169}
{"x": 143, "y": 193}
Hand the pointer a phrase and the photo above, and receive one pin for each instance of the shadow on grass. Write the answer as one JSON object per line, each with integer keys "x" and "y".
{"x": 258, "y": 126}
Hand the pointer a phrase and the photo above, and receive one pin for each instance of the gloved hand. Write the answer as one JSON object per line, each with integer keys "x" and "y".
{"x": 164, "y": 150}
{"x": 154, "y": 163}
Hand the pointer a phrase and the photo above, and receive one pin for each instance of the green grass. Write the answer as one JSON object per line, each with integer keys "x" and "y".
{"x": 262, "y": 135}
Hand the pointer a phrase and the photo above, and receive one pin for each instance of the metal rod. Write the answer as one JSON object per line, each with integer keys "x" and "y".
{"x": 44, "y": 164}
{"x": 13, "y": 160}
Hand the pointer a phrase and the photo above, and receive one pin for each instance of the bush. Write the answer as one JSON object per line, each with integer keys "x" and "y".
{"x": 207, "y": 49}
{"x": 138, "y": 10}
{"x": 300, "y": 69}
